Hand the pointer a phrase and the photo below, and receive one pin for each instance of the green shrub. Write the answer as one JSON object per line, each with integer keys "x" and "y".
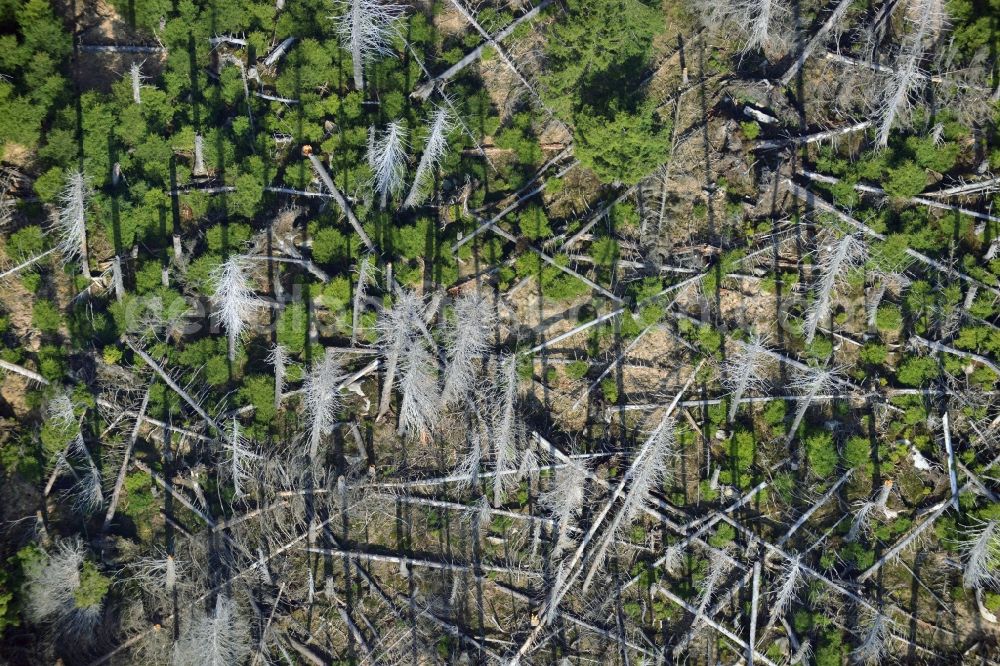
{"x": 577, "y": 369}
{"x": 821, "y": 348}
{"x": 595, "y": 61}
{"x": 844, "y": 193}
{"x": 52, "y": 362}
{"x": 8, "y": 610}
{"x": 741, "y": 449}
{"x": 774, "y": 413}
{"x": 724, "y": 534}
{"x": 889, "y": 318}
{"x": 873, "y": 353}
{"x": 330, "y": 245}
{"x": 604, "y": 251}
{"x": 709, "y": 339}
{"x": 227, "y": 237}
{"x": 917, "y": 370}
{"x": 929, "y": 155}
{"x": 857, "y": 452}
{"x": 293, "y": 328}
{"x": 138, "y": 502}
{"x": 609, "y": 387}
{"x": 906, "y": 180}
{"x": 534, "y": 224}
{"x": 93, "y": 586}
{"x": 258, "y": 390}
{"x": 831, "y": 650}
{"x": 26, "y": 243}
{"x": 857, "y": 555}
{"x": 46, "y": 316}
{"x": 822, "y": 454}
{"x": 750, "y": 129}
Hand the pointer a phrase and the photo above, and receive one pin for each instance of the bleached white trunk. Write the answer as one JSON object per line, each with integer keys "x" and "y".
{"x": 85, "y": 259}
{"x": 819, "y": 203}
{"x": 116, "y": 276}
{"x": 136, "y": 76}
{"x": 199, "y": 155}
{"x": 360, "y": 291}
{"x": 357, "y": 57}
{"x": 835, "y": 16}
{"x": 424, "y": 90}
{"x": 754, "y": 602}
{"x": 169, "y": 381}
{"x": 341, "y": 201}
{"x": 771, "y": 144}
{"x": 120, "y": 482}
{"x": 279, "y": 51}
{"x": 27, "y": 263}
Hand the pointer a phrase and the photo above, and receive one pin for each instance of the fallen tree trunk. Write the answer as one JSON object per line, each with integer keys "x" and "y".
{"x": 341, "y": 201}
{"x": 771, "y": 144}
{"x": 835, "y": 16}
{"x": 871, "y": 189}
{"x": 120, "y": 482}
{"x": 424, "y": 90}
{"x": 819, "y": 203}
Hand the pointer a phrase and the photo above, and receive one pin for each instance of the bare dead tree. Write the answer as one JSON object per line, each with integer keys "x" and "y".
{"x": 387, "y": 157}
{"x": 279, "y": 51}
{"x": 808, "y": 197}
{"x": 135, "y": 74}
{"x": 791, "y": 579}
{"x": 981, "y": 548}
{"x": 424, "y": 90}
{"x": 441, "y": 124}
{"x": 875, "y": 641}
{"x": 655, "y": 469}
{"x": 744, "y": 370}
{"x": 920, "y": 200}
{"x": 341, "y": 200}
{"x": 864, "y": 512}
{"x": 51, "y": 598}
{"x": 86, "y": 494}
{"x": 719, "y": 565}
{"x": 759, "y": 23}
{"x": 736, "y": 640}
{"x": 420, "y": 401}
{"x": 658, "y": 442}
{"x": 367, "y": 29}
{"x": 505, "y": 428}
{"x": 810, "y": 383}
{"x": 27, "y": 263}
{"x": 199, "y": 155}
{"x": 72, "y": 221}
{"x": 826, "y": 135}
{"x": 120, "y": 482}
{"x": 926, "y": 19}
{"x": 242, "y": 459}
{"x": 564, "y": 501}
{"x": 216, "y": 639}
{"x": 835, "y": 260}
{"x": 323, "y": 399}
{"x": 466, "y": 342}
{"x": 366, "y": 270}
{"x": 278, "y": 357}
{"x": 156, "y": 574}
{"x": 469, "y": 466}
{"x": 395, "y": 327}
{"x": 234, "y": 299}
{"x": 816, "y": 40}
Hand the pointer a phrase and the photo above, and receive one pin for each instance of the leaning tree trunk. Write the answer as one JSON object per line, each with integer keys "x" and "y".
{"x": 356, "y": 57}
